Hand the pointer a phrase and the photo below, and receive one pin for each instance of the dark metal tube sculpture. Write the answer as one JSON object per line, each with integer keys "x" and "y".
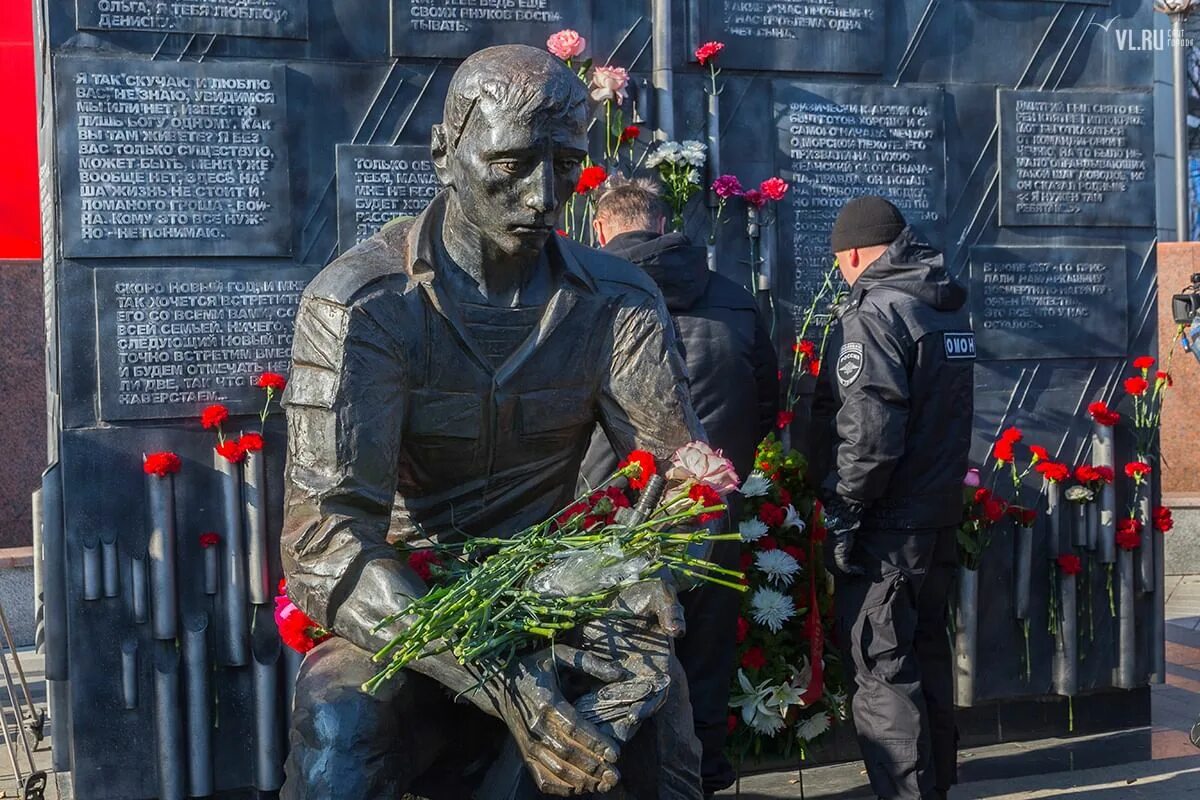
{"x": 161, "y": 552}
{"x": 39, "y": 609}
{"x": 55, "y": 577}
{"x": 198, "y": 698}
{"x": 233, "y": 584}
{"x": 1145, "y": 553}
{"x": 1023, "y": 572}
{"x": 110, "y": 569}
{"x": 966, "y": 643}
{"x": 138, "y": 587}
{"x": 1126, "y": 633}
{"x": 1158, "y": 653}
{"x": 91, "y": 568}
{"x": 129, "y": 673}
{"x": 1080, "y": 526}
{"x": 1102, "y": 456}
{"x": 1066, "y": 645}
{"x": 268, "y": 741}
{"x": 1054, "y": 520}
{"x": 58, "y": 700}
{"x": 1093, "y": 524}
{"x": 291, "y": 670}
{"x": 168, "y": 727}
{"x": 257, "y": 565}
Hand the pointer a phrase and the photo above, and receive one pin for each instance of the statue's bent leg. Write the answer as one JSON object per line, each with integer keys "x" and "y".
{"x": 350, "y": 745}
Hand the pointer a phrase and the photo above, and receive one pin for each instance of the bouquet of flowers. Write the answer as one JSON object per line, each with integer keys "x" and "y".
{"x": 492, "y": 598}
{"x": 679, "y": 166}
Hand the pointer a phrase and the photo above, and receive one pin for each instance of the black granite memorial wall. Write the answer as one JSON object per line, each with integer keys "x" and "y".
{"x": 201, "y": 160}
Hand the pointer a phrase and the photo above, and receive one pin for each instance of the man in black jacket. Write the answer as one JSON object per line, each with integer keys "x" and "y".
{"x": 895, "y": 413}
{"x": 734, "y": 385}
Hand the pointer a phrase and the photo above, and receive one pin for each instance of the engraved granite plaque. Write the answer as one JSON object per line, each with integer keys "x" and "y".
{"x": 1049, "y": 302}
{"x": 1076, "y": 158}
{"x": 840, "y": 142}
{"x": 377, "y": 183}
{"x": 457, "y": 28}
{"x": 273, "y": 19}
{"x": 172, "y": 159}
{"x": 807, "y": 35}
{"x": 170, "y": 341}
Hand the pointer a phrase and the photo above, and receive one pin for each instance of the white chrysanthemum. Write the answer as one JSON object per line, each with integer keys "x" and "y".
{"x": 752, "y": 529}
{"x": 693, "y": 177}
{"x": 771, "y": 608}
{"x": 813, "y": 727}
{"x": 793, "y": 519}
{"x": 757, "y": 485}
{"x": 780, "y": 567}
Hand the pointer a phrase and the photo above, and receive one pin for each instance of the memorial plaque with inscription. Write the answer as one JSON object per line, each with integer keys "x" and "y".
{"x": 457, "y": 28}
{"x": 1076, "y": 158}
{"x": 172, "y": 159}
{"x": 274, "y": 19}
{"x": 170, "y": 341}
{"x": 805, "y": 35}
{"x": 377, "y": 183}
{"x": 1049, "y": 302}
{"x": 840, "y": 142}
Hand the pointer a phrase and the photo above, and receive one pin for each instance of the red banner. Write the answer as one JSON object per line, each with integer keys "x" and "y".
{"x": 20, "y": 229}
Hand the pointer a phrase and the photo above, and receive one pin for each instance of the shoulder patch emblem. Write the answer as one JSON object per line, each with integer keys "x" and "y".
{"x": 959, "y": 346}
{"x": 849, "y": 363}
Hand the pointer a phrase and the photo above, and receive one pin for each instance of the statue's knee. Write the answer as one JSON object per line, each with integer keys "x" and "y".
{"x": 331, "y": 711}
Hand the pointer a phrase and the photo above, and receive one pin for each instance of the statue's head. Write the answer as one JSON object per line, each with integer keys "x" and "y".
{"x": 511, "y": 143}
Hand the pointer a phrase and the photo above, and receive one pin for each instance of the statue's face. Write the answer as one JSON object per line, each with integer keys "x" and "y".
{"x": 512, "y": 177}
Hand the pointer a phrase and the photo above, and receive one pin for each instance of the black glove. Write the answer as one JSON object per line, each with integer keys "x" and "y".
{"x": 842, "y": 519}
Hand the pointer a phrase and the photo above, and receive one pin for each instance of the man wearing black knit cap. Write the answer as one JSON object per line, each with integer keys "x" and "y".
{"x": 892, "y": 422}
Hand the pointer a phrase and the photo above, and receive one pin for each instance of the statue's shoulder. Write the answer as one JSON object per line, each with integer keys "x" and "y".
{"x": 383, "y": 257}
{"x": 613, "y": 275}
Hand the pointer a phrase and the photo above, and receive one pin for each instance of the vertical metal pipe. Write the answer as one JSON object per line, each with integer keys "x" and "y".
{"x": 58, "y": 698}
{"x": 712, "y": 133}
{"x": 268, "y": 742}
{"x": 55, "y": 575}
{"x": 1023, "y": 572}
{"x": 161, "y": 551}
{"x": 91, "y": 568}
{"x": 1066, "y": 651}
{"x": 1054, "y": 521}
{"x": 1102, "y": 456}
{"x": 1179, "y": 87}
{"x": 1126, "y": 633}
{"x": 129, "y": 673}
{"x": 168, "y": 727}
{"x": 233, "y": 584}
{"x": 664, "y": 82}
{"x": 291, "y": 670}
{"x": 1158, "y": 639}
{"x": 257, "y": 566}
{"x": 1080, "y": 529}
{"x": 1145, "y": 553}
{"x": 967, "y": 637}
{"x": 39, "y": 609}
{"x": 1093, "y": 524}
{"x": 212, "y": 569}
{"x": 198, "y": 698}
{"x": 138, "y": 588}
{"x": 109, "y": 567}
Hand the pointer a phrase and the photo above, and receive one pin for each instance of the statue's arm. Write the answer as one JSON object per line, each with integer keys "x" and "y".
{"x": 345, "y": 406}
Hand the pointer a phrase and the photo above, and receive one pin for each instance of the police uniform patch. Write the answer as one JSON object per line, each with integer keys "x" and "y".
{"x": 959, "y": 346}
{"x": 850, "y": 363}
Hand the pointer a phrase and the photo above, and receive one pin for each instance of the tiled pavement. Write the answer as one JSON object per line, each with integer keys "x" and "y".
{"x": 1159, "y": 764}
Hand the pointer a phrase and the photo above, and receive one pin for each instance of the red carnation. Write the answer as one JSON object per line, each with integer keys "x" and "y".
{"x": 703, "y": 493}
{"x": 755, "y": 197}
{"x": 297, "y": 630}
{"x": 795, "y": 552}
{"x": 1164, "y": 377}
{"x": 784, "y": 418}
{"x": 982, "y": 495}
{"x": 708, "y": 51}
{"x": 731, "y": 723}
{"x": 814, "y": 367}
{"x": 630, "y": 133}
{"x": 210, "y": 539}
{"x": 590, "y": 178}
{"x": 1070, "y": 564}
{"x": 994, "y": 508}
{"x": 1025, "y": 517}
{"x": 1162, "y": 519}
{"x": 772, "y": 515}
{"x": 754, "y": 658}
{"x": 785, "y": 497}
{"x": 1039, "y": 452}
{"x": 1136, "y": 386}
{"x": 1103, "y": 415}
{"x": 773, "y": 188}
{"x": 805, "y": 347}
{"x": 212, "y": 416}
{"x": 1086, "y": 473}
{"x": 1053, "y": 471}
{"x": 1012, "y": 435}
{"x": 1129, "y": 533}
{"x": 231, "y": 451}
{"x": 272, "y": 381}
{"x": 251, "y": 442}
{"x": 641, "y": 467}
{"x": 1002, "y": 451}
{"x": 161, "y": 464}
{"x": 1138, "y": 470}
{"x": 1143, "y": 363}
{"x": 1104, "y": 474}
{"x": 743, "y": 629}
{"x": 745, "y": 561}
{"x": 767, "y": 543}
{"x": 422, "y": 562}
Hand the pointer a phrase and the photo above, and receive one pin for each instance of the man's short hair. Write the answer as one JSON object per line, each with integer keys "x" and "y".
{"x": 632, "y": 203}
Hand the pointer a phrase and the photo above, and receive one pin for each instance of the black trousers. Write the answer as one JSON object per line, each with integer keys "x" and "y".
{"x": 892, "y": 625}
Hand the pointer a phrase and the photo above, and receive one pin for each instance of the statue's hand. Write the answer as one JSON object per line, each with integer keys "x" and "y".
{"x": 565, "y": 754}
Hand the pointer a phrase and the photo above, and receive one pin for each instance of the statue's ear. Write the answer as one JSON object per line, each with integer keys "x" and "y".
{"x": 439, "y": 148}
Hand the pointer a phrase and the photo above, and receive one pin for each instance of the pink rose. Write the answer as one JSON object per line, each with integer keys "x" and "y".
{"x": 608, "y": 84}
{"x": 972, "y": 478}
{"x": 566, "y": 44}
{"x": 698, "y": 462}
